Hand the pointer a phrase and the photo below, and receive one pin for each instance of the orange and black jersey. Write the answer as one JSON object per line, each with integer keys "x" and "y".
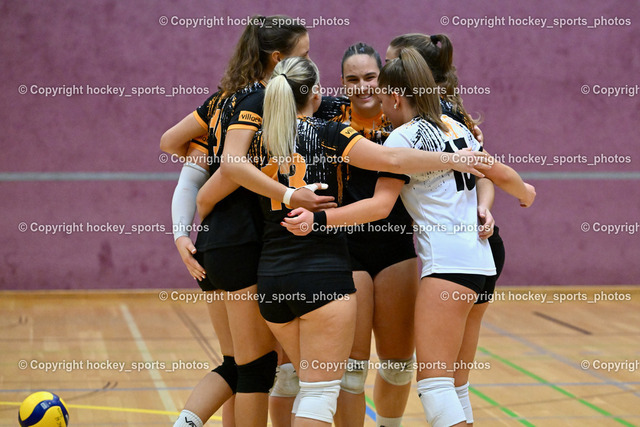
{"x": 338, "y": 109}
{"x": 360, "y": 184}
{"x": 203, "y": 114}
{"x": 320, "y": 149}
{"x": 236, "y": 219}
{"x": 449, "y": 110}
{"x": 332, "y": 107}
{"x": 219, "y": 113}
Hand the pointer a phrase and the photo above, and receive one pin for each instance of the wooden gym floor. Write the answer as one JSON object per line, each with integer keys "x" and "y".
{"x": 130, "y": 358}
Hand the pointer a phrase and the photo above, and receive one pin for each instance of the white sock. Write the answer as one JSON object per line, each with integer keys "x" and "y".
{"x": 440, "y": 402}
{"x": 463, "y": 397}
{"x": 188, "y": 419}
{"x": 387, "y": 422}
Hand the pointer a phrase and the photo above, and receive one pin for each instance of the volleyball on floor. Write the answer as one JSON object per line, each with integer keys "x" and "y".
{"x": 43, "y": 409}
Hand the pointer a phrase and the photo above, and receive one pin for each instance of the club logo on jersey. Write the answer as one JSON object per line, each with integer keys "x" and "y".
{"x": 248, "y": 116}
{"x": 348, "y": 132}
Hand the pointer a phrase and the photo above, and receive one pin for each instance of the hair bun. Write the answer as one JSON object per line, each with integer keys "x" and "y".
{"x": 434, "y": 39}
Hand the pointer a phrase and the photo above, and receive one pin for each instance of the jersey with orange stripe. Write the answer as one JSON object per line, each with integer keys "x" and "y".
{"x": 203, "y": 114}
{"x": 321, "y": 147}
{"x": 236, "y": 219}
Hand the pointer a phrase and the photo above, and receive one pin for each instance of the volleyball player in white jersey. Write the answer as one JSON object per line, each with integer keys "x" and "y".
{"x": 443, "y": 204}
{"x": 437, "y": 51}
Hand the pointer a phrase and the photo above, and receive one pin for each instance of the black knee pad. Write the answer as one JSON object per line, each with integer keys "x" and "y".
{"x": 258, "y": 376}
{"x": 229, "y": 372}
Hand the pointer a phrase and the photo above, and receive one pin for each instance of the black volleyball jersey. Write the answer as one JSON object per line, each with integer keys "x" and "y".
{"x": 449, "y": 110}
{"x": 332, "y": 107}
{"x": 360, "y": 184}
{"x": 320, "y": 149}
{"x": 203, "y": 114}
{"x": 236, "y": 219}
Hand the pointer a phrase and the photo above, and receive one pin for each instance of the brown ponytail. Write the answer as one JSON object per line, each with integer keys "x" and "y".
{"x": 437, "y": 50}
{"x": 262, "y": 37}
{"x": 410, "y": 74}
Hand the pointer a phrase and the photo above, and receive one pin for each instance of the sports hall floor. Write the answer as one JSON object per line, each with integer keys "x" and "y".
{"x": 570, "y": 360}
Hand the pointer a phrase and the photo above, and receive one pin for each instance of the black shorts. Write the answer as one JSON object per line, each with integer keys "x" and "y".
{"x": 497, "y": 249}
{"x": 475, "y": 282}
{"x": 373, "y": 252}
{"x": 484, "y": 286}
{"x": 283, "y": 298}
{"x": 230, "y": 269}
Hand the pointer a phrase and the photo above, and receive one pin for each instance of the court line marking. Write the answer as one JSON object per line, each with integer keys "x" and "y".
{"x": 543, "y": 351}
{"x": 114, "y": 409}
{"x": 371, "y": 407}
{"x": 199, "y": 336}
{"x": 107, "y": 408}
{"x": 562, "y": 323}
{"x": 173, "y": 176}
{"x": 560, "y": 384}
{"x": 556, "y": 388}
{"x": 503, "y": 408}
{"x": 490, "y": 385}
{"x": 167, "y": 402}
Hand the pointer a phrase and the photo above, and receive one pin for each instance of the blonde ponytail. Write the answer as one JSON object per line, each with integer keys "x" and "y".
{"x": 279, "y": 126}
{"x": 289, "y": 89}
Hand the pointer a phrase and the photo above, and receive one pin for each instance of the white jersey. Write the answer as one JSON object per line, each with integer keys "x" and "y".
{"x": 443, "y": 204}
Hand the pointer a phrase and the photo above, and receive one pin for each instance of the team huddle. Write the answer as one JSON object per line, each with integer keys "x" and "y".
{"x": 283, "y": 177}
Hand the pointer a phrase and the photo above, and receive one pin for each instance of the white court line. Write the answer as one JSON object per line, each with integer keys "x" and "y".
{"x": 158, "y": 382}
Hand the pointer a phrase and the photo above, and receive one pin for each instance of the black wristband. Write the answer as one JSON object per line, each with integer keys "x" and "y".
{"x": 320, "y": 218}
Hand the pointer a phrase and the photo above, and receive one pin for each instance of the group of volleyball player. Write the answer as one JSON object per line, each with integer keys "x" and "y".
{"x": 281, "y": 176}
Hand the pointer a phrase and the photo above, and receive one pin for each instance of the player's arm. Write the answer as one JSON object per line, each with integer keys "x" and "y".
{"x": 214, "y": 190}
{"x": 477, "y": 134}
{"x": 486, "y": 194}
{"x": 236, "y": 167}
{"x": 301, "y": 222}
{"x": 176, "y": 139}
{"x": 183, "y": 209}
{"x": 510, "y": 182}
{"x": 366, "y": 154}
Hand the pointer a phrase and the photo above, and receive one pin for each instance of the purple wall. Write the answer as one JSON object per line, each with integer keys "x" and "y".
{"x": 535, "y": 106}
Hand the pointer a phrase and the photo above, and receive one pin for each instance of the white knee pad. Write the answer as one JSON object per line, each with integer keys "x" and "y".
{"x": 287, "y": 383}
{"x": 463, "y": 397}
{"x": 397, "y": 372}
{"x": 318, "y": 400}
{"x": 355, "y": 376}
{"x": 440, "y": 402}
